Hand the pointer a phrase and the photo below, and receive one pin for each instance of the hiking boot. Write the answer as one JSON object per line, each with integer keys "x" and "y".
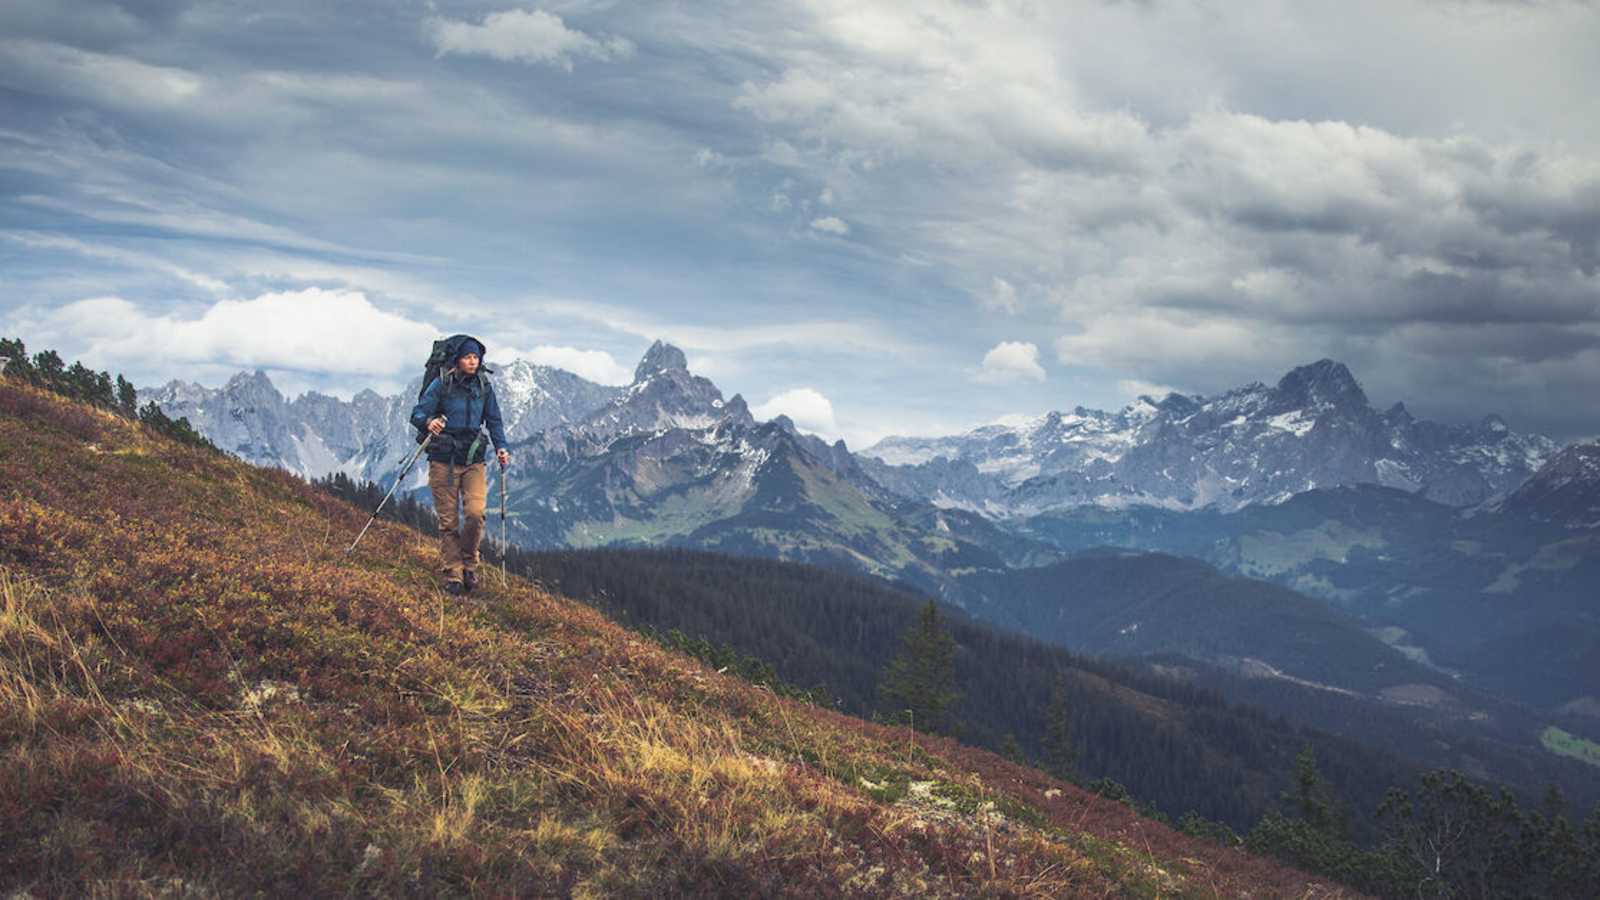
{"x": 469, "y": 580}
{"x": 454, "y": 588}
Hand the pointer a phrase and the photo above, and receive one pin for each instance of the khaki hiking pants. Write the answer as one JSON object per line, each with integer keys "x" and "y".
{"x": 471, "y": 487}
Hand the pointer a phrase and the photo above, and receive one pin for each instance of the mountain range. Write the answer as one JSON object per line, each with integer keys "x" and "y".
{"x": 1254, "y": 444}
{"x": 1438, "y": 539}
{"x": 315, "y": 435}
{"x": 1251, "y": 445}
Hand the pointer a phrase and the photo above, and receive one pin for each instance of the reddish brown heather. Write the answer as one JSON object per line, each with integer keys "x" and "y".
{"x": 200, "y": 694}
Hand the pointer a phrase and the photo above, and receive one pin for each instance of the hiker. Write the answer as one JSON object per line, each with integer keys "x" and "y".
{"x": 455, "y": 408}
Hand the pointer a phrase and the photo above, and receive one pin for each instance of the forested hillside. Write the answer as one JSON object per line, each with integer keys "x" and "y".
{"x": 1174, "y": 746}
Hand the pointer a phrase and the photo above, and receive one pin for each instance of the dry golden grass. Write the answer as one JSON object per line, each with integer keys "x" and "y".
{"x": 200, "y": 694}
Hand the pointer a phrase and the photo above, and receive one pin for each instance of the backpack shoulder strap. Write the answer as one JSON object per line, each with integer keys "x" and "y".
{"x": 446, "y": 383}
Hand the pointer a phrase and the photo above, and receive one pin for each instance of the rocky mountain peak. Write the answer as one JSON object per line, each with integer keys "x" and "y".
{"x": 250, "y": 381}
{"x": 1322, "y": 382}
{"x": 1176, "y": 404}
{"x": 659, "y": 358}
{"x": 1577, "y": 461}
{"x": 736, "y": 409}
{"x": 1565, "y": 490}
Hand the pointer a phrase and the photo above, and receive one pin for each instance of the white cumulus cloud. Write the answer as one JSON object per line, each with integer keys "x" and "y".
{"x": 595, "y": 365}
{"x": 528, "y": 36}
{"x": 810, "y": 410}
{"x": 831, "y": 225}
{"x": 308, "y": 331}
{"x": 1133, "y": 388}
{"x": 1011, "y": 361}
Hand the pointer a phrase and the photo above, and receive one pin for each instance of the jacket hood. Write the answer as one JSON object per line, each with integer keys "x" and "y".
{"x": 471, "y": 345}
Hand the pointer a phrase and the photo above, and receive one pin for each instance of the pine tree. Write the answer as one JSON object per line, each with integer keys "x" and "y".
{"x": 1060, "y": 752}
{"x": 1313, "y": 799}
{"x": 50, "y": 369}
{"x": 920, "y": 680}
{"x": 127, "y": 398}
{"x": 14, "y": 360}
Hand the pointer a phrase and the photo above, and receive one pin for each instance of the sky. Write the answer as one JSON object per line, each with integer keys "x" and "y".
{"x": 876, "y": 217}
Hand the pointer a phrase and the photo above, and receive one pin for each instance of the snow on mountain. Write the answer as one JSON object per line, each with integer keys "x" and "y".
{"x": 664, "y": 396}
{"x": 1253, "y": 444}
{"x": 1565, "y": 491}
{"x": 315, "y": 435}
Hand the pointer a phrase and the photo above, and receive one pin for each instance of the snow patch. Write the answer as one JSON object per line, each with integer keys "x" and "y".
{"x": 1295, "y": 422}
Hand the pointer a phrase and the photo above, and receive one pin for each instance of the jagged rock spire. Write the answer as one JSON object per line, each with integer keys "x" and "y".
{"x": 660, "y": 357}
{"x": 1324, "y": 381}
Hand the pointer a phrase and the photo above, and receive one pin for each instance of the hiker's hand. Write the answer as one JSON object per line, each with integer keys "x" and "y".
{"x": 503, "y": 456}
{"x": 436, "y": 425}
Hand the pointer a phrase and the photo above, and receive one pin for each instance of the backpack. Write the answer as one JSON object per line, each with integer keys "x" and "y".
{"x": 441, "y": 359}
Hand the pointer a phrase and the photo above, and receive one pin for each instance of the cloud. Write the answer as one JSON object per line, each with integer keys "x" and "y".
{"x": 1221, "y": 225}
{"x": 1013, "y": 420}
{"x": 129, "y": 258}
{"x": 51, "y": 68}
{"x": 1001, "y": 295}
{"x": 190, "y": 219}
{"x": 528, "y": 36}
{"x": 1011, "y": 361}
{"x": 1132, "y": 388}
{"x": 314, "y": 331}
{"x": 1184, "y": 194}
{"x": 831, "y": 225}
{"x": 810, "y": 410}
{"x": 739, "y": 338}
{"x": 595, "y": 365}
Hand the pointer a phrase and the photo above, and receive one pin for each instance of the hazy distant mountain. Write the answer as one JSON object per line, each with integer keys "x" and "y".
{"x": 1457, "y": 589}
{"x": 1254, "y": 444}
{"x": 316, "y": 435}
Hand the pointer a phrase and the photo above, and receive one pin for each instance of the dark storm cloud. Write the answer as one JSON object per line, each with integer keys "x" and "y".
{"x": 1165, "y": 192}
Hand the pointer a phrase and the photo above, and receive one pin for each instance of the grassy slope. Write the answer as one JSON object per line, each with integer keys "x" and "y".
{"x": 1564, "y": 743}
{"x": 198, "y": 692}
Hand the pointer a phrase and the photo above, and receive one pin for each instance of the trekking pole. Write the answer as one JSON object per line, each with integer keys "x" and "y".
{"x": 402, "y": 477}
{"x": 503, "y": 471}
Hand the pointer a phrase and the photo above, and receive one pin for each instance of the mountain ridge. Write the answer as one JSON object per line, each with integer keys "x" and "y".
{"x": 1251, "y": 444}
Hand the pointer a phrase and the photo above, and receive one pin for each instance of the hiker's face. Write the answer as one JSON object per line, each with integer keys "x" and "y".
{"x": 468, "y": 363}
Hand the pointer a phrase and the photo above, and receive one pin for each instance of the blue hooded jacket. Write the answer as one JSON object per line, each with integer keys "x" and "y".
{"x": 468, "y": 405}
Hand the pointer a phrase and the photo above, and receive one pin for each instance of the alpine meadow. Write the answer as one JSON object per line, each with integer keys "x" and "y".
{"x": 800, "y": 448}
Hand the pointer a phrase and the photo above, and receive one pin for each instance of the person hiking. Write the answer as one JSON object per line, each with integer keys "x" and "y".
{"x": 455, "y": 408}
